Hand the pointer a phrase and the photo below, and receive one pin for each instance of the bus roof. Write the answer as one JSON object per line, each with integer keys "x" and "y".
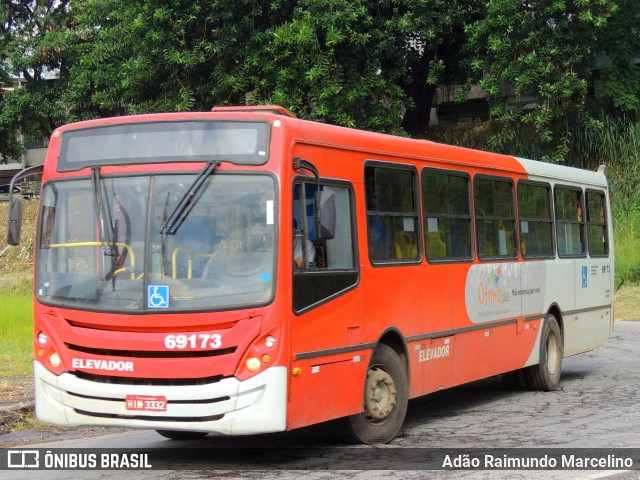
{"x": 564, "y": 173}
{"x": 372, "y": 143}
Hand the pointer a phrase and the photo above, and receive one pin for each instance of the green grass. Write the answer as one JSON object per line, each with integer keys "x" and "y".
{"x": 16, "y": 330}
{"x": 627, "y": 245}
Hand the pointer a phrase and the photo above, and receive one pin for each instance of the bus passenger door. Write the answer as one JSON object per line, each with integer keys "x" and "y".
{"x": 328, "y": 366}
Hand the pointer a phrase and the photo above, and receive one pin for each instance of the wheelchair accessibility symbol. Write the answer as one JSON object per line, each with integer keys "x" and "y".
{"x": 157, "y": 296}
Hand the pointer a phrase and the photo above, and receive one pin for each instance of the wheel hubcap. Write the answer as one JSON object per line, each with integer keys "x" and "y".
{"x": 380, "y": 395}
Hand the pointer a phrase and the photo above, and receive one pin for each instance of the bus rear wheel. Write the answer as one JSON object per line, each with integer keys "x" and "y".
{"x": 386, "y": 394}
{"x": 544, "y": 376}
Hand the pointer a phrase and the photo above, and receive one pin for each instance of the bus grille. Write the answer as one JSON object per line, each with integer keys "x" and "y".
{"x": 151, "y": 354}
{"x": 162, "y": 382}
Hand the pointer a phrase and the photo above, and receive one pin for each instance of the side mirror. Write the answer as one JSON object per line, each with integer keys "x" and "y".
{"x": 324, "y": 214}
{"x": 15, "y": 220}
{"x": 15, "y": 203}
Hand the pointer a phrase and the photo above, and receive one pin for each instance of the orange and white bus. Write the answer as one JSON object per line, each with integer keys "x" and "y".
{"x": 243, "y": 271}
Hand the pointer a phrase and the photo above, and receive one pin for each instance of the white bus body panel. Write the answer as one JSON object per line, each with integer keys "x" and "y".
{"x": 582, "y": 288}
{"x": 257, "y": 405}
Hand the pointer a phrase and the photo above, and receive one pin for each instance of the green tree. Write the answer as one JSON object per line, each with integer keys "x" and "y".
{"x": 618, "y": 65}
{"x": 166, "y": 55}
{"x": 327, "y": 62}
{"x": 354, "y": 63}
{"x": 368, "y": 64}
{"x": 373, "y": 65}
{"x": 34, "y": 49}
{"x": 542, "y": 52}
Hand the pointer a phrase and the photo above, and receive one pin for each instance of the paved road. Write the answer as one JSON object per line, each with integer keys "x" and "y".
{"x": 597, "y": 406}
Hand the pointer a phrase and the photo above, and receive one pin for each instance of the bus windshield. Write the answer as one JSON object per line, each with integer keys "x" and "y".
{"x": 100, "y": 245}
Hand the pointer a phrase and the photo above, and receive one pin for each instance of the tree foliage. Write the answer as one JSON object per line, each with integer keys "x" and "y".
{"x": 373, "y": 65}
{"x": 620, "y": 67}
{"x": 165, "y": 55}
{"x": 354, "y": 63}
{"x": 546, "y": 54}
{"x": 33, "y": 46}
{"x": 361, "y": 63}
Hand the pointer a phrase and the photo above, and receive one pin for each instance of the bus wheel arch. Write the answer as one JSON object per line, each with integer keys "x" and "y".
{"x": 557, "y": 313}
{"x": 394, "y": 339}
{"x": 385, "y": 395}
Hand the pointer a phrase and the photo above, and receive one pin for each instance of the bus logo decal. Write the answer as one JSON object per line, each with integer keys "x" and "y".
{"x": 501, "y": 290}
{"x": 584, "y": 277}
{"x": 158, "y": 296}
{"x": 489, "y": 291}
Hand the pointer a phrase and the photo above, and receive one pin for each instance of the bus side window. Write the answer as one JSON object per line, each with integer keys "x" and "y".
{"x": 447, "y": 215}
{"x": 333, "y": 253}
{"x": 536, "y": 223}
{"x": 334, "y": 269}
{"x": 597, "y": 232}
{"x": 392, "y": 213}
{"x": 495, "y": 217}
{"x": 569, "y": 222}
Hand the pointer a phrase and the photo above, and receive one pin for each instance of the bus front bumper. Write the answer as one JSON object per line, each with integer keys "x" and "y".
{"x": 228, "y": 407}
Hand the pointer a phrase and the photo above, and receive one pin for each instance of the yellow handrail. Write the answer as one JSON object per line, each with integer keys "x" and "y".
{"x": 174, "y": 260}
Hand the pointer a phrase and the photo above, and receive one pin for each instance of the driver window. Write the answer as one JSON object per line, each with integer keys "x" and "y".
{"x": 331, "y": 266}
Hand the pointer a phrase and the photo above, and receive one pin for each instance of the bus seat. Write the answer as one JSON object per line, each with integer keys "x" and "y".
{"x": 511, "y": 244}
{"x": 379, "y": 238}
{"x": 238, "y": 268}
{"x": 436, "y": 248}
{"x": 405, "y": 245}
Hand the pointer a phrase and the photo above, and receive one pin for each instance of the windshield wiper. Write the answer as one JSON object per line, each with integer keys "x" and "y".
{"x": 171, "y": 225}
{"x": 105, "y": 224}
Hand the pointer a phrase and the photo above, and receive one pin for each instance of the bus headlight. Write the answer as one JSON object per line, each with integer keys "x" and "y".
{"x": 42, "y": 338}
{"x": 253, "y": 364}
{"x": 54, "y": 360}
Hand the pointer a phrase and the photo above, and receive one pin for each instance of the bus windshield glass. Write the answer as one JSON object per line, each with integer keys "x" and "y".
{"x": 100, "y": 245}
{"x": 239, "y": 142}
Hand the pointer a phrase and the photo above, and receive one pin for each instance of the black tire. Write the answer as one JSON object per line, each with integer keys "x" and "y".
{"x": 386, "y": 395}
{"x": 545, "y": 376}
{"x": 178, "y": 435}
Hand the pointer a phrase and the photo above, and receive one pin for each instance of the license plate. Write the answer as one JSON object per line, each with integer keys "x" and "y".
{"x": 149, "y": 403}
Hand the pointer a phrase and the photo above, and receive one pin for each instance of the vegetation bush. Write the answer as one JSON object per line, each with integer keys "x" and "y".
{"x": 17, "y": 261}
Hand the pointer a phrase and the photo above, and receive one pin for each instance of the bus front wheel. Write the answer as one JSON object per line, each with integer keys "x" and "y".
{"x": 386, "y": 394}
